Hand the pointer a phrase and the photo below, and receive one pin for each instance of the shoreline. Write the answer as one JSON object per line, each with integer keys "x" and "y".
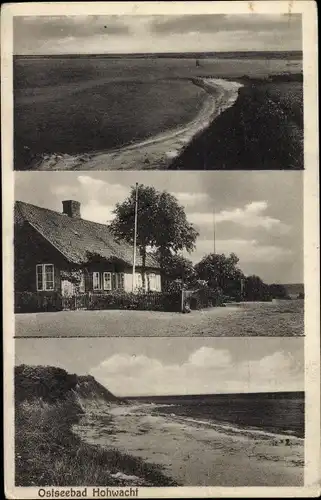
{"x": 194, "y": 454}
{"x": 159, "y": 151}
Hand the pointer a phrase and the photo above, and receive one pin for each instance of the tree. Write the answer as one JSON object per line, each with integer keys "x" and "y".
{"x": 278, "y": 291}
{"x": 177, "y": 267}
{"x": 161, "y": 222}
{"x": 255, "y": 289}
{"x": 221, "y": 272}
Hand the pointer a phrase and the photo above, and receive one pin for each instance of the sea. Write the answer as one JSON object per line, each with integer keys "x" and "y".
{"x": 276, "y": 413}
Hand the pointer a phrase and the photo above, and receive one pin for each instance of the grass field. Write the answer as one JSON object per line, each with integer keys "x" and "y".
{"x": 263, "y": 130}
{"x": 82, "y": 105}
{"x": 246, "y": 319}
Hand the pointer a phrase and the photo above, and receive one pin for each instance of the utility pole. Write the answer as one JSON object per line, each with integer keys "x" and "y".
{"x": 135, "y": 237}
{"x": 242, "y": 288}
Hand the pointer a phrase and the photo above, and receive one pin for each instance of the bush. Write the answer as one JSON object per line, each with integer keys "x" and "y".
{"x": 151, "y": 301}
{"x": 46, "y": 382}
{"x": 27, "y": 302}
{"x": 205, "y": 297}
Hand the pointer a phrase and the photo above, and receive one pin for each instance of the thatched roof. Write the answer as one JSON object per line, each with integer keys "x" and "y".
{"x": 75, "y": 238}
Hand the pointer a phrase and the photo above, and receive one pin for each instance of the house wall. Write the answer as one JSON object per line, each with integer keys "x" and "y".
{"x": 30, "y": 249}
{"x": 115, "y": 269}
{"x": 152, "y": 283}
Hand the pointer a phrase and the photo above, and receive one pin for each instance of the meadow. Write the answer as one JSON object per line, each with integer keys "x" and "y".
{"x": 263, "y": 130}
{"x": 91, "y": 104}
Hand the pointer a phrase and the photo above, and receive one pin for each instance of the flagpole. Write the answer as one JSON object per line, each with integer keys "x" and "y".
{"x": 214, "y": 231}
{"x": 135, "y": 237}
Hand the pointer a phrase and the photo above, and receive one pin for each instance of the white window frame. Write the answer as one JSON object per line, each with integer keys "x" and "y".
{"x": 120, "y": 281}
{"x": 107, "y": 285}
{"x": 44, "y": 287}
{"x": 95, "y": 274}
{"x": 153, "y": 276}
{"x": 139, "y": 280}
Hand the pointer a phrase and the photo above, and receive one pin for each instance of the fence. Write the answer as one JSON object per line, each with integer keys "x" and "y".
{"x": 54, "y": 301}
{"x": 34, "y": 302}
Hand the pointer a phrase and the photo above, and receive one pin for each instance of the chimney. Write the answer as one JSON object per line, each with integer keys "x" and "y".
{"x": 71, "y": 208}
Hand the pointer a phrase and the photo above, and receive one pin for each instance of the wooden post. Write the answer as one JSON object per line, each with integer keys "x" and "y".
{"x": 182, "y": 297}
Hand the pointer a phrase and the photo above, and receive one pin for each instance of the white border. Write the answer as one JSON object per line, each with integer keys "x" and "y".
{"x": 311, "y": 225}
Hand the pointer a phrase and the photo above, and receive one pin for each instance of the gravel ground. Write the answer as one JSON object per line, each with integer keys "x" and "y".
{"x": 247, "y": 319}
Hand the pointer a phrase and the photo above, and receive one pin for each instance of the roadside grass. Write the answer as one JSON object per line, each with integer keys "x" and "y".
{"x": 262, "y": 130}
{"x": 48, "y": 453}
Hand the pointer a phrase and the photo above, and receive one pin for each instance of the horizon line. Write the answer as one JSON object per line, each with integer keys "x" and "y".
{"x": 272, "y": 51}
{"x": 206, "y": 394}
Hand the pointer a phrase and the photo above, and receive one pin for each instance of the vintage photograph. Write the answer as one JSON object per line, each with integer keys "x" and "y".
{"x": 160, "y": 230}
{"x": 147, "y": 254}
{"x": 173, "y": 92}
{"x": 159, "y": 412}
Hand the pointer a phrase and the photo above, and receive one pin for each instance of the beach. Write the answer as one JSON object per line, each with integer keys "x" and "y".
{"x": 194, "y": 452}
{"x": 160, "y": 150}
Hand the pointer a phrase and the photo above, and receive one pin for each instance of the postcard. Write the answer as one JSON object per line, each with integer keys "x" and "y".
{"x": 161, "y": 244}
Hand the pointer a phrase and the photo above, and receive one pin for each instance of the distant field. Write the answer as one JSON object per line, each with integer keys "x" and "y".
{"x": 81, "y": 105}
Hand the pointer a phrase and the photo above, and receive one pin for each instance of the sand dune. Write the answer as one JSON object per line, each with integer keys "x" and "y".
{"x": 156, "y": 152}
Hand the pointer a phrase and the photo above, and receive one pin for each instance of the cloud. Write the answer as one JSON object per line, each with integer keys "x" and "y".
{"x": 125, "y": 34}
{"x": 203, "y": 23}
{"x": 206, "y": 370}
{"x": 97, "y": 197}
{"x": 56, "y": 27}
{"x": 97, "y": 212}
{"x": 247, "y": 250}
{"x": 252, "y": 215}
{"x": 190, "y": 199}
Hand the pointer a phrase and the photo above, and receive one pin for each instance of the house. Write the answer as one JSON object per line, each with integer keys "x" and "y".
{"x": 61, "y": 252}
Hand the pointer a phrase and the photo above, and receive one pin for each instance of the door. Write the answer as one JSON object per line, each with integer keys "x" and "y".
{"x": 67, "y": 288}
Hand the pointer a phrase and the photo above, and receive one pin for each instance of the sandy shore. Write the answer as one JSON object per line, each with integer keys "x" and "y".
{"x": 196, "y": 453}
{"x": 159, "y": 151}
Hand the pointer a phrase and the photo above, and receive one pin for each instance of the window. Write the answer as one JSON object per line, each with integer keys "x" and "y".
{"x": 96, "y": 281}
{"x": 152, "y": 281}
{"x": 45, "y": 277}
{"x": 139, "y": 280}
{"x": 120, "y": 281}
{"x": 113, "y": 281}
{"x": 107, "y": 281}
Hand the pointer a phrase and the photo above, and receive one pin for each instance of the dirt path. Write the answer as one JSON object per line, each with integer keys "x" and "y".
{"x": 198, "y": 453}
{"x": 159, "y": 151}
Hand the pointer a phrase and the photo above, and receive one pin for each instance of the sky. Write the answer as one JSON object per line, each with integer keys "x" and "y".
{"x": 258, "y": 215}
{"x": 156, "y": 33}
{"x": 156, "y": 366}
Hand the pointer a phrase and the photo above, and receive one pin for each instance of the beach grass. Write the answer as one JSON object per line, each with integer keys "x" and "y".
{"x": 48, "y": 453}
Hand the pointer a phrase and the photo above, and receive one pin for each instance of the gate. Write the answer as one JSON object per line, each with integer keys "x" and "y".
{"x": 75, "y": 302}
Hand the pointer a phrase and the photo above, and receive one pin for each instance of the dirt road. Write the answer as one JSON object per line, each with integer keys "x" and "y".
{"x": 246, "y": 319}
